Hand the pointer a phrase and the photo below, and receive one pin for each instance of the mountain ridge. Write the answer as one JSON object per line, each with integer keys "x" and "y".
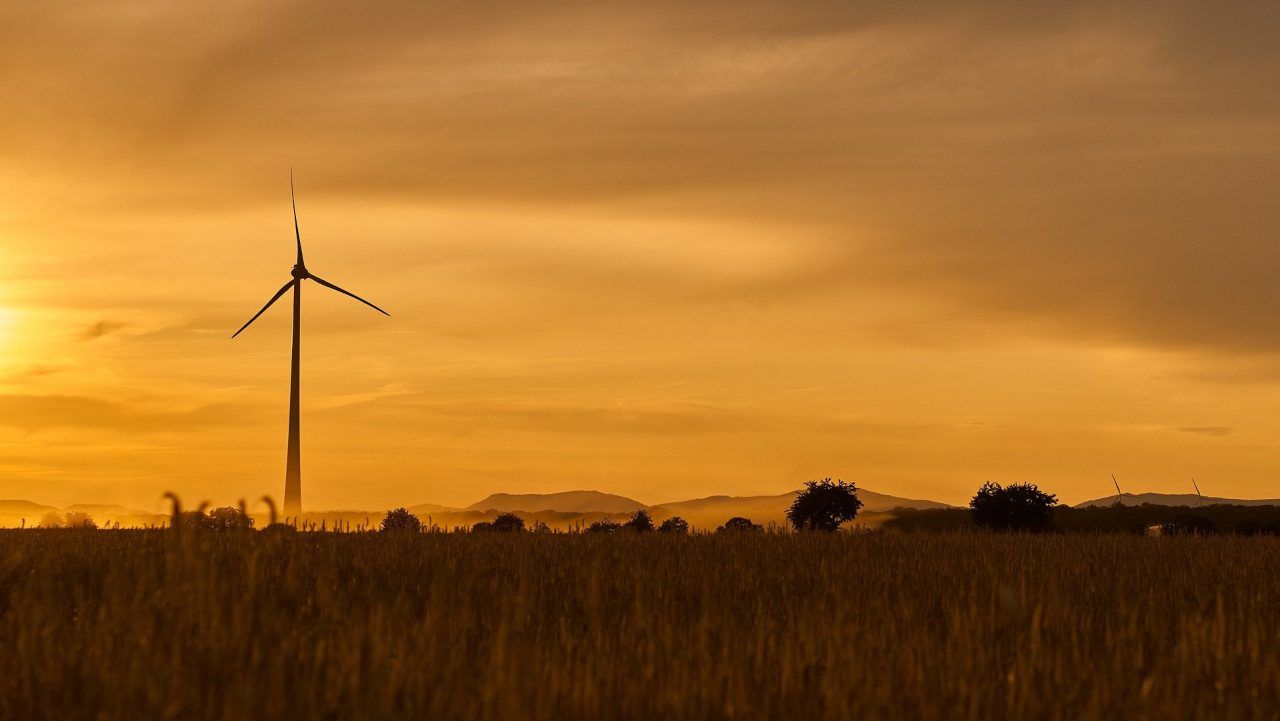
{"x": 1190, "y": 500}
{"x": 581, "y": 501}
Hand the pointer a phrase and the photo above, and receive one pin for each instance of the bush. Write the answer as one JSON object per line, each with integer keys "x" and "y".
{"x": 80, "y": 519}
{"x": 194, "y": 521}
{"x": 823, "y": 505}
{"x": 508, "y": 523}
{"x": 641, "y": 522}
{"x": 401, "y": 519}
{"x": 230, "y": 519}
{"x": 1189, "y": 525}
{"x": 738, "y": 524}
{"x": 604, "y": 526}
{"x": 1016, "y": 507}
{"x": 675, "y": 524}
{"x": 482, "y": 527}
{"x": 540, "y": 527}
{"x": 52, "y": 519}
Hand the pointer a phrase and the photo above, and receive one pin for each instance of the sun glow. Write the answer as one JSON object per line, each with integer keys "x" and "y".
{"x": 8, "y": 319}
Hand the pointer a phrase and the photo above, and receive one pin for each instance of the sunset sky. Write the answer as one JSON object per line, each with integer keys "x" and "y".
{"x": 662, "y": 249}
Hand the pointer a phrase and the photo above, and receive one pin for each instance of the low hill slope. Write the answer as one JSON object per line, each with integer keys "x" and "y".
{"x": 1177, "y": 499}
{"x": 715, "y": 510}
{"x": 566, "y": 502}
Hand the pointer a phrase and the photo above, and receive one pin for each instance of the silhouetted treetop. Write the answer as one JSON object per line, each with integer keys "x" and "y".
{"x": 604, "y": 526}
{"x": 738, "y": 524}
{"x": 641, "y": 522}
{"x": 230, "y": 519}
{"x": 1189, "y": 525}
{"x": 675, "y": 524}
{"x": 823, "y": 505}
{"x": 1016, "y": 507}
{"x": 400, "y": 519}
{"x": 508, "y": 523}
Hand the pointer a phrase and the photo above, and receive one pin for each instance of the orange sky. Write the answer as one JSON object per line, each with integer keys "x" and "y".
{"x": 661, "y": 249}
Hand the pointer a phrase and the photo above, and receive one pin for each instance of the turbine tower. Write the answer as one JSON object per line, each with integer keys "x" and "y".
{"x": 293, "y": 461}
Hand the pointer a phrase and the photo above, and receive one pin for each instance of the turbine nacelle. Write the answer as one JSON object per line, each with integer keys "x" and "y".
{"x": 300, "y": 272}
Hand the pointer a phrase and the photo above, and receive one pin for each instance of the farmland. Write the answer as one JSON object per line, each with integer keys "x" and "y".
{"x": 132, "y": 624}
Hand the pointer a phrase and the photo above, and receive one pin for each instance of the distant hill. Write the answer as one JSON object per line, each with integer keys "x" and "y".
{"x": 1177, "y": 499}
{"x": 97, "y": 509}
{"x": 566, "y": 502}
{"x": 15, "y": 506}
{"x": 14, "y": 512}
{"x": 713, "y": 511}
{"x": 423, "y": 509}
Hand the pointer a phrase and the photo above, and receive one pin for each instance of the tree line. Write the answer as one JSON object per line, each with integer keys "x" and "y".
{"x": 822, "y": 506}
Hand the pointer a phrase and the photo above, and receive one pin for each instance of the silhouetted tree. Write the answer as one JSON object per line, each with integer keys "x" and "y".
{"x": 675, "y": 524}
{"x": 1189, "y": 525}
{"x": 641, "y": 522}
{"x": 230, "y": 519}
{"x": 482, "y": 527}
{"x": 52, "y": 519}
{"x": 738, "y": 524}
{"x": 400, "y": 519}
{"x": 823, "y": 505}
{"x": 1016, "y": 507}
{"x": 604, "y": 525}
{"x": 80, "y": 519}
{"x": 540, "y": 527}
{"x": 508, "y": 523}
{"x": 195, "y": 521}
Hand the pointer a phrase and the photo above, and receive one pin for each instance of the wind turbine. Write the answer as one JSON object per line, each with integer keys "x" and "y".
{"x": 1199, "y": 495}
{"x": 293, "y": 465}
{"x": 1119, "y": 495}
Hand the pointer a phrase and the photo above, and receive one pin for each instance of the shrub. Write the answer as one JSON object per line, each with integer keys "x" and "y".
{"x": 508, "y": 523}
{"x": 823, "y": 505}
{"x": 641, "y": 522}
{"x": 482, "y": 527}
{"x": 80, "y": 519}
{"x": 738, "y": 524}
{"x": 401, "y": 519}
{"x": 1016, "y": 507}
{"x": 604, "y": 526}
{"x": 1189, "y": 525}
{"x": 540, "y": 527}
{"x": 675, "y": 524}
{"x": 230, "y": 519}
{"x": 194, "y": 521}
{"x": 52, "y": 519}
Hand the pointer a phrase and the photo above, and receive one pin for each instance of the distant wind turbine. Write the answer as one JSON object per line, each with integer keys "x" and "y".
{"x": 1199, "y": 495}
{"x": 293, "y": 465}
{"x": 1119, "y": 495}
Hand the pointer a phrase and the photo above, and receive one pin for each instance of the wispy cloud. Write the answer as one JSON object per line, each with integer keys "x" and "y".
{"x": 1208, "y": 430}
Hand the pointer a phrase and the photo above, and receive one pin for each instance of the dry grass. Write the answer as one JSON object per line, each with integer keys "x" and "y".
{"x": 135, "y": 624}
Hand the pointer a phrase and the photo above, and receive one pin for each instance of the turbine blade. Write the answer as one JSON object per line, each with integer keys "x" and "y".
{"x": 327, "y": 284}
{"x": 274, "y": 298}
{"x": 293, "y": 198}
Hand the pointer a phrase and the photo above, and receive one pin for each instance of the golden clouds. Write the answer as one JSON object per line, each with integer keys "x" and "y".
{"x": 654, "y": 248}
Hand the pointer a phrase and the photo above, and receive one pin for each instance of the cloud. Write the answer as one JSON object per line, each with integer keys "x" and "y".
{"x": 1208, "y": 430}
{"x": 1039, "y": 213}
{"x": 101, "y": 328}
{"x": 30, "y": 412}
{"x": 1090, "y": 171}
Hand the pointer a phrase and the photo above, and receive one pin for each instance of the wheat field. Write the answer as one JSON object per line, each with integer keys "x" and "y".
{"x": 153, "y": 624}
